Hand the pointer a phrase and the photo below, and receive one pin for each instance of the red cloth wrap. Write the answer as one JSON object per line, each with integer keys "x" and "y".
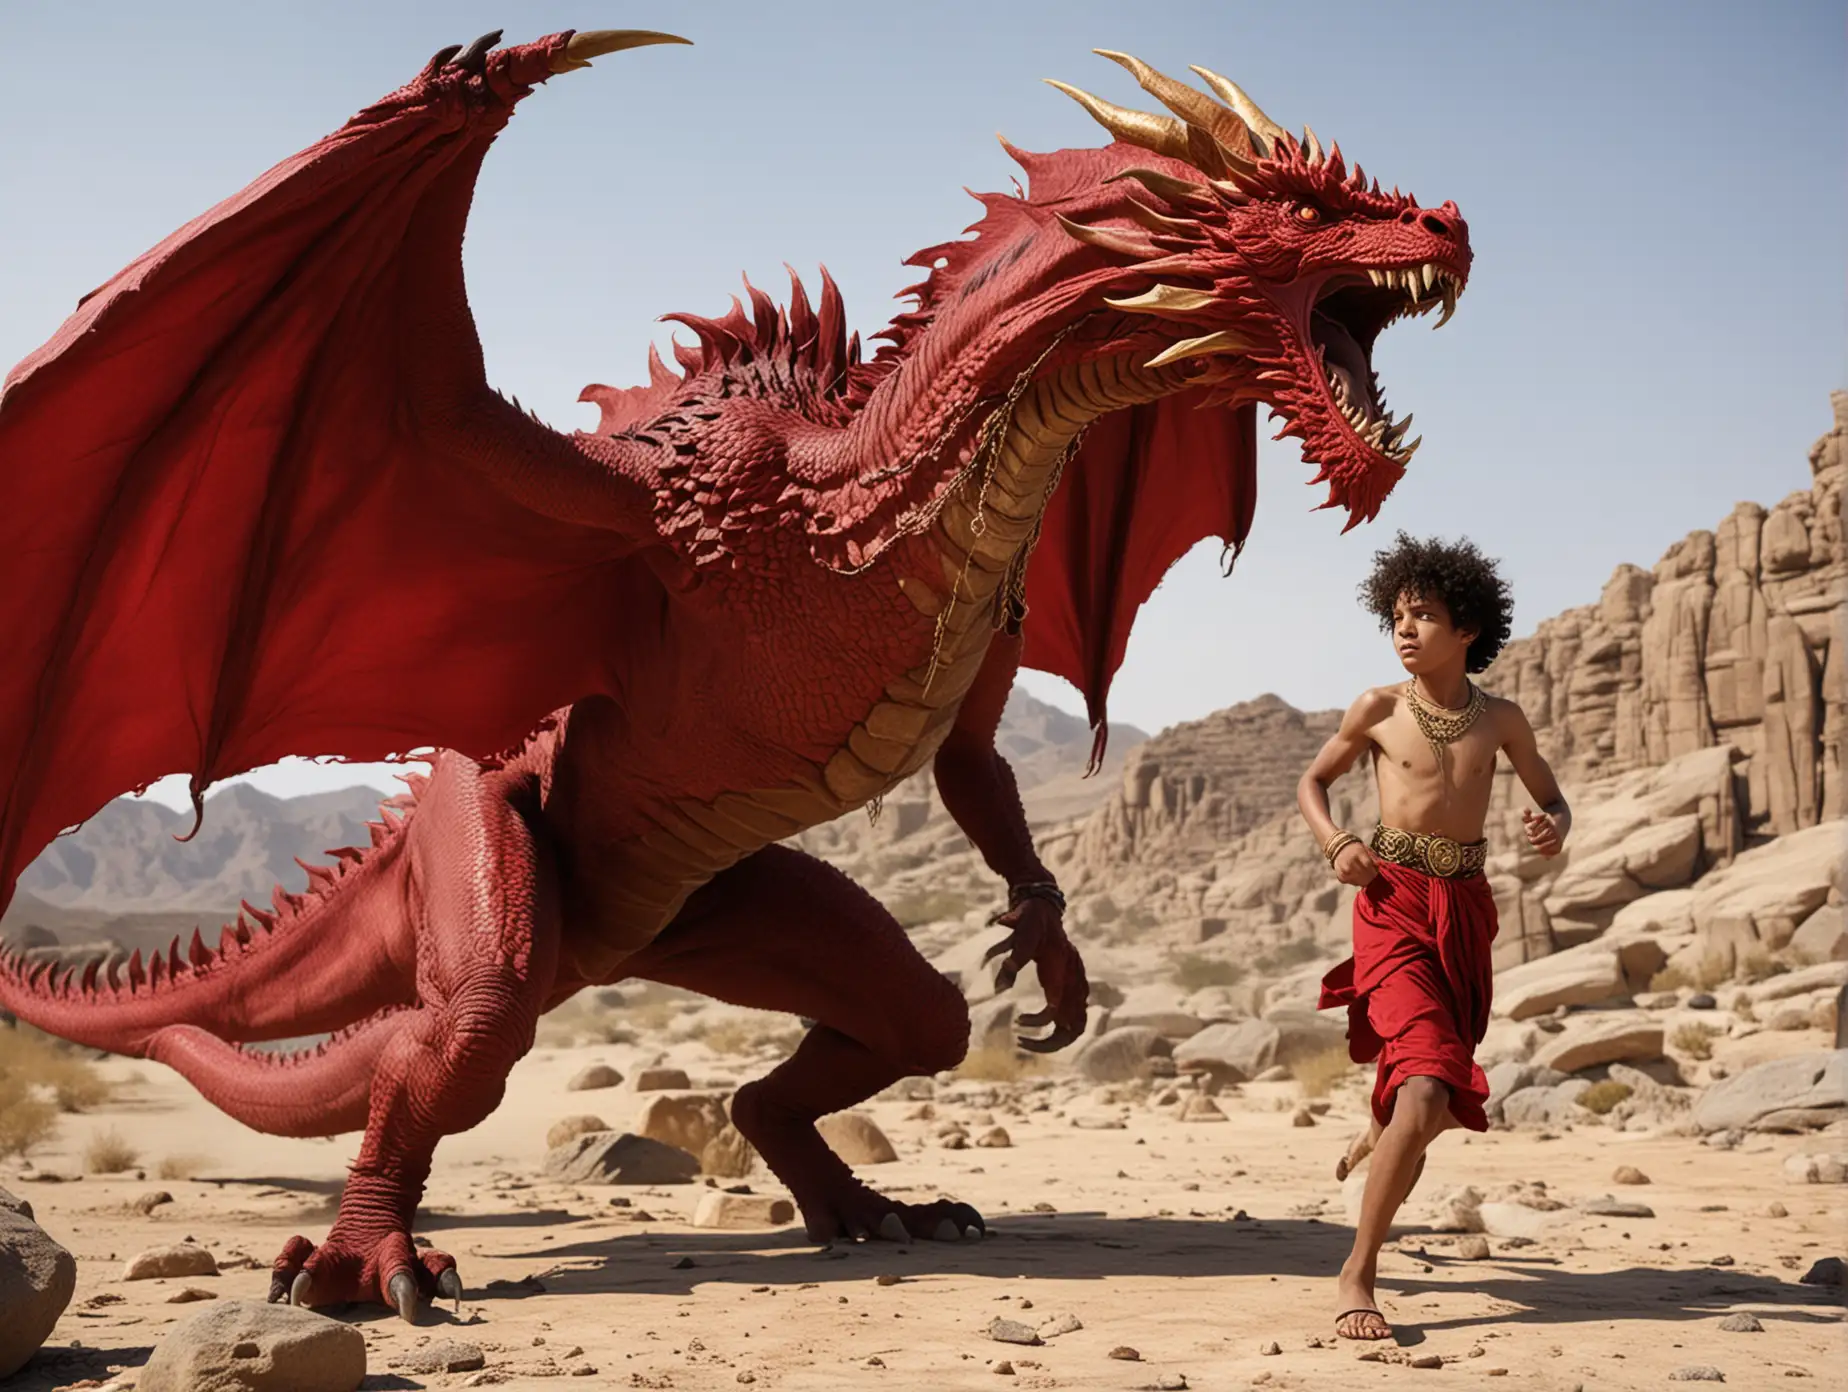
{"x": 1417, "y": 987}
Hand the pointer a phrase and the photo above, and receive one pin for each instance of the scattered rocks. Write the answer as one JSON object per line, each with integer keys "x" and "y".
{"x": 1303, "y": 1117}
{"x": 1628, "y": 1174}
{"x": 1427, "y": 1360}
{"x": 594, "y": 1077}
{"x": 187, "y": 1295}
{"x": 1587, "y": 975}
{"x": 1121, "y": 1055}
{"x": 1697, "y": 1372}
{"x": 443, "y": 1356}
{"x": 1003, "y": 1368}
{"x": 662, "y": 1080}
{"x": 609, "y": 1157}
{"x": 148, "y": 1202}
{"x": 856, "y": 1138}
{"x": 1775, "y": 1095}
{"x": 568, "y": 1128}
{"x": 718, "y": 1209}
{"x": 1816, "y": 1169}
{"x": 1201, "y": 1108}
{"x": 37, "y": 1278}
{"x": 1474, "y": 1247}
{"x": 1271, "y": 1349}
{"x": 687, "y": 1121}
{"x": 1124, "y": 1353}
{"x": 181, "y": 1259}
{"x": 1064, "y": 1324}
{"x": 1742, "y": 1323}
{"x": 1830, "y": 1271}
{"x": 1007, "y": 1331}
{"x": 1604, "y": 1037}
{"x": 728, "y": 1155}
{"x": 242, "y": 1346}
{"x": 995, "y": 1138}
{"x": 1607, "y": 1207}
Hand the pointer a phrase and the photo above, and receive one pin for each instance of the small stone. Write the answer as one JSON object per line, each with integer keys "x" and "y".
{"x": 956, "y": 1140}
{"x": 1064, "y": 1324}
{"x": 1742, "y": 1323}
{"x": 875, "y": 1362}
{"x": 186, "y": 1295}
{"x": 1697, "y": 1372}
{"x": 1303, "y": 1117}
{"x": 1171, "y": 1382}
{"x": 662, "y": 1080}
{"x": 1629, "y": 1174}
{"x": 1427, "y": 1360}
{"x": 1608, "y": 1207}
{"x": 1721, "y": 1260}
{"x": 1007, "y": 1331}
{"x": 147, "y": 1203}
{"x": 606, "y": 1157}
{"x": 241, "y": 1345}
{"x": 181, "y": 1259}
{"x": 684, "y": 1264}
{"x": 1004, "y": 1368}
{"x": 443, "y": 1356}
{"x": 1126, "y": 1354}
{"x": 1830, "y": 1271}
{"x": 571, "y": 1127}
{"x": 887, "y": 1278}
{"x": 728, "y": 1155}
{"x": 995, "y": 1139}
{"x": 1202, "y": 1108}
{"x": 1271, "y": 1349}
{"x": 746, "y": 1375}
{"x": 594, "y": 1077}
{"x": 1473, "y": 1247}
{"x": 856, "y": 1138}
{"x": 1702, "y": 1000}
{"x": 1776, "y": 1210}
{"x": 718, "y": 1209}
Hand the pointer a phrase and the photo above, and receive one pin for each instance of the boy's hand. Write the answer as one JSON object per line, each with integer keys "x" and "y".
{"x": 1542, "y": 832}
{"x": 1354, "y": 865}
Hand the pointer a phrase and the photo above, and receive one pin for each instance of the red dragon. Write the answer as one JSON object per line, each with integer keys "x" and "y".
{"x": 257, "y": 499}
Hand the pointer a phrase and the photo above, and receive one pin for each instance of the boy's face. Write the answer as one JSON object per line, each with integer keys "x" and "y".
{"x": 1424, "y": 636}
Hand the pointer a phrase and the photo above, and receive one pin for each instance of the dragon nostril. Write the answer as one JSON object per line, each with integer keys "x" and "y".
{"x": 1435, "y": 225}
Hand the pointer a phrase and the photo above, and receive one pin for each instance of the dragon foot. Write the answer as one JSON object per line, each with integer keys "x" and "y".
{"x": 383, "y": 1269}
{"x": 853, "y": 1212}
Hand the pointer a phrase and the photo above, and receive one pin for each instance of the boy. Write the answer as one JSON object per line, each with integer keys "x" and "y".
{"x": 1417, "y": 987}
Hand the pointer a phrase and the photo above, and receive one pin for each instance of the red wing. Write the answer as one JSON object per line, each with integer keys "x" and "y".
{"x": 1147, "y": 484}
{"x": 256, "y": 498}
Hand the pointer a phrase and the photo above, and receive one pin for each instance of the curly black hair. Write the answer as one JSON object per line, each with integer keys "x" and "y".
{"x": 1454, "y": 572}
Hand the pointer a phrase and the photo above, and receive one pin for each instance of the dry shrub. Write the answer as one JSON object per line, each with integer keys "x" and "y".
{"x": 999, "y": 1063}
{"x": 25, "y": 1119}
{"x": 39, "y": 1061}
{"x": 1696, "y": 1041}
{"x": 109, "y": 1153}
{"x": 1673, "y": 977}
{"x": 1601, "y": 1097}
{"x": 183, "y": 1166}
{"x": 1742, "y": 1009}
{"x": 1193, "y": 972}
{"x": 1317, "y": 1074}
{"x": 1713, "y": 969}
{"x": 1757, "y": 964}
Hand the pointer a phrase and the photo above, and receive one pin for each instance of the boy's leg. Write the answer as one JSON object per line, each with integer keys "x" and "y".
{"x": 1420, "y": 1110}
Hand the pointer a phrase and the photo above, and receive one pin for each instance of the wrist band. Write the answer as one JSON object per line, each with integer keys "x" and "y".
{"x": 1338, "y": 843}
{"x": 1036, "y": 889}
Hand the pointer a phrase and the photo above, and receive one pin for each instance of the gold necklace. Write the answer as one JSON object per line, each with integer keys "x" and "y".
{"x": 1441, "y": 725}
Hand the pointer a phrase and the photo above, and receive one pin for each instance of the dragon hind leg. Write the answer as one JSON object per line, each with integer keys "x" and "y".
{"x": 487, "y": 945}
{"x": 783, "y": 931}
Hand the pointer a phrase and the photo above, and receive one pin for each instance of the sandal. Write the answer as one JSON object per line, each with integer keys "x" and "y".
{"x": 1384, "y": 1331}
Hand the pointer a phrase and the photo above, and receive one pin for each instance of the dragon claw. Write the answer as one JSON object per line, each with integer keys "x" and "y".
{"x": 1051, "y": 1044}
{"x": 947, "y": 1231}
{"x": 892, "y": 1228}
{"x": 402, "y": 1290}
{"x": 449, "y": 1287}
{"x": 301, "y": 1290}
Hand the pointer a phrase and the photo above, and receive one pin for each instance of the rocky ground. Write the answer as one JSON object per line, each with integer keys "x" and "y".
{"x": 1162, "y": 1231}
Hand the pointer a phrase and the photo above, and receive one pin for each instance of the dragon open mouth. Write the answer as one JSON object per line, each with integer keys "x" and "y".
{"x": 1349, "y": 314}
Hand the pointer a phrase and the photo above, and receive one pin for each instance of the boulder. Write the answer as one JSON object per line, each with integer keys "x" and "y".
{"x": 443, "y": 1356}
{"x": 1822, "y": 937}
{"x": 728, "y": 1155}
{"x": 37, "y": 1279}
{"x": 1817, "y": 1169}
{"x": 1543, "y": 1106}
{"x": 1228, "y": 1050}
{"x": 1617, "y": 1036}
{"x": 1169, "y": 1024}
{"x": 685, "y": 1120}
{"x": 1764, "y": 1097}
{"x": 718, "y": 1209}
{"x": 856, "y": 1138}
{"x": 1824, "y": 976}
{"x": 1656, "y": 855}
{"x": 1120, "y": 1055}
{"x": 1760, "y": 898}
{"x": 242, "y": 1346}
{"x": 1510, "y": 1077}
{"x": 609, "y": 1157}
{"x": 565, "y": 1128}
{"x": 662, "y": 1080}
{"x": 594, "y": 1077}
{"x": 1303, "y": 1034}
{"x": 1590, "y": 974}
{"x": 180, "y": 1259}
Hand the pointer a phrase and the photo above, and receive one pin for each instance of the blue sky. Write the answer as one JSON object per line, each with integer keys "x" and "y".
{"x": 1654, "y": 194}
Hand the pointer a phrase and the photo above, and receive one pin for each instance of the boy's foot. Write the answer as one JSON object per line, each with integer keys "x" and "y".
{"x": 1358, "y": 1150}
{"x": 1360, "y": 1316}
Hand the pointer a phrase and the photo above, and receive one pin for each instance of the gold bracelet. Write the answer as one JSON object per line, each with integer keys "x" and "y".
{"x": 1337, "y": 843}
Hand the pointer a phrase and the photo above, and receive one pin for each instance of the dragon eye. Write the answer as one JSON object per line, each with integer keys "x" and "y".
{"x": 1307, "y": 213}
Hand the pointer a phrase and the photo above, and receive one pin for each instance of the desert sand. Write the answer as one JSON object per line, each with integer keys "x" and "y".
{"x": 1207, "y": 1248}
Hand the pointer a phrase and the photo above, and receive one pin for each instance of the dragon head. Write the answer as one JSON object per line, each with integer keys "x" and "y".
{"x": 1270, "y": 261}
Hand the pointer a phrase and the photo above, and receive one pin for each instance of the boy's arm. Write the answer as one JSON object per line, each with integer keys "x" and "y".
{"x": 1547, "y": 828}
{"x": 1353, "y": 864}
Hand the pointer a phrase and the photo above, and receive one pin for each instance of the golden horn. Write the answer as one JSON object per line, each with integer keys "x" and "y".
{"x": 1229, "y": 92}
{"x": 1220, "y": 342}
{"x": 1193, "y": 107}
{"x": 1166, "y": 300}
{"x": 586, "y": 44}
{"x": 1162, "y": 134}
{"x": 1110, "y": 239}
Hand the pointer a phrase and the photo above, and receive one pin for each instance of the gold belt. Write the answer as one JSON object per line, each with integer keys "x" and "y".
{"x": 1433, "y": 855}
